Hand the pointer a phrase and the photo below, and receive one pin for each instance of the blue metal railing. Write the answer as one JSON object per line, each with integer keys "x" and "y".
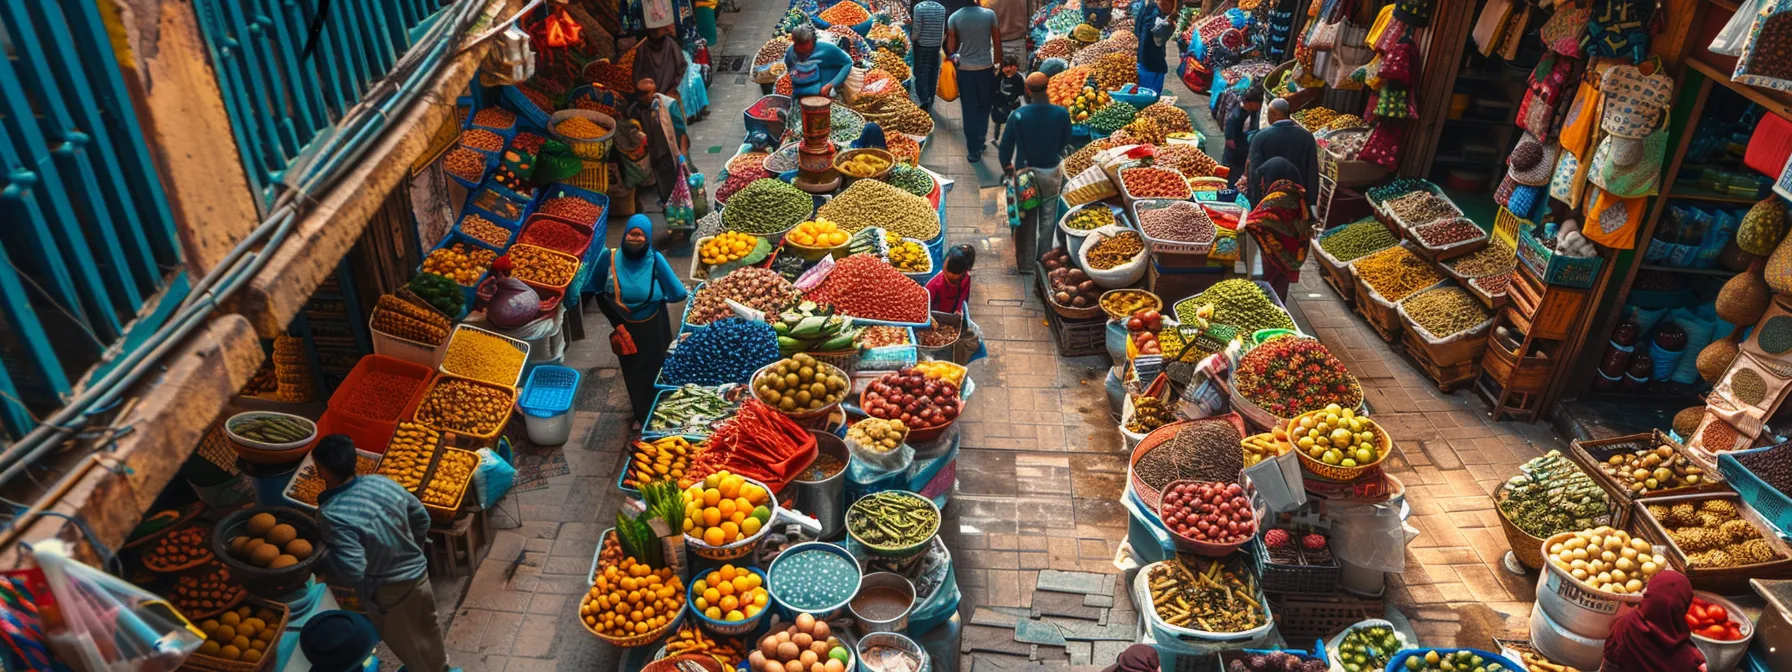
{"x": 88, "y": 240}
{"x": 279, "y": 102}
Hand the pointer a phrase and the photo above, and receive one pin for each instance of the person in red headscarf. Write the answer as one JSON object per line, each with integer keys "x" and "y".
{"x": 1136, "y": 658}
{"x": 1654, "y": 637}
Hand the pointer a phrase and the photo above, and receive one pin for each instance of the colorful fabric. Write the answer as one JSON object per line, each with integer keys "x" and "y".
{"x": 1634, "y": 102}
{"x": 1612, "y": 221}
{"x": 1282, "y": 225}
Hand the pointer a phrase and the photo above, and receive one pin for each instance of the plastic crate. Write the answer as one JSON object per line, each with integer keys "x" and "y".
{"x": 463, "y": 328}
{"x": 549, "y": 391}
{"x": 577, "y": 250}
{"x": 493, "y": 434}
{"x": 1774, "y": 506}
{"x": 1556, "y": 269}
{"x": 372, "y": 364}
{"x": 526, "y": 110}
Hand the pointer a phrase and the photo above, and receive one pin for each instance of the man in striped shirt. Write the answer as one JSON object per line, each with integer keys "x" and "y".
{"x": 374, "y": 532}
{"x": 928, "y": 31}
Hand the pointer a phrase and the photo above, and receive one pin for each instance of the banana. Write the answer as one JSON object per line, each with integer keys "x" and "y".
{"x": 840, "y": 342}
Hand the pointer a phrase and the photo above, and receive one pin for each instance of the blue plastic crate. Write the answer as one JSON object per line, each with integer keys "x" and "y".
{"x": 512, "y": 98}
{"x": 549, "y": 391}
{"x": 1773, "y": 505}
{"x": 1399, "y": 661}
{"x": 559, "y": 189}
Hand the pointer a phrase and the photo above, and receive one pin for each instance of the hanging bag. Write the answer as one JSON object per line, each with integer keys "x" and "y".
{"x": 947, "y": 90}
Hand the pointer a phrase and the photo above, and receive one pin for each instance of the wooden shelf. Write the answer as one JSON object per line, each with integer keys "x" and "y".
{"x": 1780, "y": 104}
{"x": 1714, "y": 272}
{"x": 1727, "y": 4}
{"x": 1701, "y": 194}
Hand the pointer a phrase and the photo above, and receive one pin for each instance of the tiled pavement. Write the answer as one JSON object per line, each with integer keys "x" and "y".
{"x": 1042, "y": 466}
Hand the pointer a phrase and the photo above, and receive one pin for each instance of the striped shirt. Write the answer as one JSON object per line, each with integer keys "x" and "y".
{"x": 374, "y": 531}
{"x": 929, "y": 26}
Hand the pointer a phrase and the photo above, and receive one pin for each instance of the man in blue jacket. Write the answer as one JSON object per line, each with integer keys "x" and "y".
{"x": 1152, "y": 28}
{"x": 816, "y": 68}
{"x": 1036, "y": 136}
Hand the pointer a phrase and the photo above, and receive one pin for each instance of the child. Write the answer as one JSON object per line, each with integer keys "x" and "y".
{"x": 1010, "y": 88}
{"x": 951, "y": 289}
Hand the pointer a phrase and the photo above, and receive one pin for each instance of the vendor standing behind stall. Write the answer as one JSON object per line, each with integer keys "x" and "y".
{"x": 634, "y": 283}
{"x": 816, "y": 68}
{"x": 660, "y": 58}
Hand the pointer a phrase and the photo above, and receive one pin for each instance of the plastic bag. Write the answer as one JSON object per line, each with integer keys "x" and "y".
{"x": 869, "y": 465}
{"x": 492, "y": 478}
{"x": 947, "y": 90}
{"x": 106, "y": 623}
{"x": 1207, "y": 393}
{"x": 1734, "y": 36}
{"x": 1371, "y": 535}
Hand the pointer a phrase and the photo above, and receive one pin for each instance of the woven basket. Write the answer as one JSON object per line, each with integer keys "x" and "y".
{"x": 208, "y": 663}
{"x": 1150, "y": 496}
{"x": 1067, "y": 312}
{"x": 632, "y": 641}
{"x": 595, "y": 149}
{"x": 1528, "y": 549}
{"x": 1339, "y": 473}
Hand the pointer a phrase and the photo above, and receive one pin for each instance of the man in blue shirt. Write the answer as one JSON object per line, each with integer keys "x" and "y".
{"x": 928, "y": 31}
{"x": 374, "y": 532}
{"x": 816, "y": 68}
{"x": 1152, "y": 28}
{"x": 1036, "y": 136}
{"x": 975, "y": 42}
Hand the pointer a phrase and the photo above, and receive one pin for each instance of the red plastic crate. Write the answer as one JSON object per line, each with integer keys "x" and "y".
{"x": 372, "y": 364}
{"x": 583, "y": 229}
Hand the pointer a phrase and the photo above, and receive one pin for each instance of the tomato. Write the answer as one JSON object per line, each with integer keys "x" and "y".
{"x": 1713, "y": 632}
{"x": 1717, "y": 613}
{"x": 1693, "y": 622}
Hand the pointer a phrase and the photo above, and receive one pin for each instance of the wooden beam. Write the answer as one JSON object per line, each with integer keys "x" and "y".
{"x": 1440, "y": 52}
{"x": 1780, "y": 104}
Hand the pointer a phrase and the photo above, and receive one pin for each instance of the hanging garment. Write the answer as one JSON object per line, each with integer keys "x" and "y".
{"x": 1563, "y": 30}
{"x": 1612, "y": 221}
{"x": 1618, "y": 29}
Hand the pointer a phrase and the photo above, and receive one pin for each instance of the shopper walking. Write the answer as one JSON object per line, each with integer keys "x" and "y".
{"x": 1286, "y": 139}
{"x": 1036, "y": 137}
{"x": 634, "y": 282}
{"x": 661, "y": 59}
{"x": 1241, "y": 124}
{"x": 1281, "y": 223}
{"x": 928, "y": 31}
{"x": 374, "y": 532}
{"x": 1012, "y": 20}
{"x": 1654, "y": 637}
{"x": 975, "y": 43}
{"x": 662, "y": 121}
{"x": 1153, "y": 27}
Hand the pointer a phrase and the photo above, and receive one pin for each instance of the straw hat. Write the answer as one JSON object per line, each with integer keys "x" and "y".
{"x": 1531, "y": 162}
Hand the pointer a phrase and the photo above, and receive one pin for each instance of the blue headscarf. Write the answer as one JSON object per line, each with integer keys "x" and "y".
{"x": 872, "y": 136}
{"x": 1053, "y": 66}
{"x": 638, "y": 285}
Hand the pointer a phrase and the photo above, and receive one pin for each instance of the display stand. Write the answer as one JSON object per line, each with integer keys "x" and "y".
{"x": 1515, "y": 381}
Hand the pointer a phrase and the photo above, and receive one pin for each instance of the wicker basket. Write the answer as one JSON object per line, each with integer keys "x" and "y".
{"x": 1150, "y": 496}
{"x": 1726, "y": 580}
{"x": 1338, "y": 473}
{"x": 1067, "y": 312}
{"x": 595, "y": 149}
{"x": 632, "y": 641}
{"x": 207, "y": 663}
{"x": 1528, "y": 549}
{"x": 735, "y": 550}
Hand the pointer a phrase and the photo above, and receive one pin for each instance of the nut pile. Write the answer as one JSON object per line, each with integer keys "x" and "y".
{"x": 1081, "y": 159}
{"x": 1712, "y": 534}
{"x": 767, "y": 206}
{"x": 1359, "y": 238}
{"x": 457, "y": 405}
{"x": 890, "y": 63}
{"x": 307, "y": 484}
{"x": 542, "y": 266}
{"x": 1168, "y": 117}
{"x": 1644, "y": 471}
{"x": 1395, "y": 273}
{"x": 460, "y": 261}
{"x": 449, "y": 483}
{"x": 1773, "y": 465}
{"x": 1186, "y": 159}
{"x": 1181, "y": 222}
{"x": 1449, "y": 232}
{"x": 408, "y": 455}
{"x": 755, "y": 287}
{"x": 495, "y": 117}
{"x": 481, "y": 139}
{"x": 1496, "y": 258}
{"x": 1445, "y": 311}
{"x": 1115, "y": 70}
{"x": 877, "y": 434}
{"x": 1422, "y": 207}
{"x": 1146, "y": 182}
{"x": 869, "y": 203}
{"x": 1142, "y": 130}
{"x": 572, "y": 208}
{"x": 1116, "y": 250}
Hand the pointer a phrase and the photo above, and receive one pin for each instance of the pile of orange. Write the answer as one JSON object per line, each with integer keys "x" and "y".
{"x": 725, "y": 508}
{"x": 630, "y": 598}
{"x": 817, "y": 233}
{"x": 729, "y": 594}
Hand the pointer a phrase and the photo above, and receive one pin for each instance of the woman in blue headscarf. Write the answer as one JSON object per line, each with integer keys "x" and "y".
{"x": 634, "y": 283}
{"x": 872, "y": 136}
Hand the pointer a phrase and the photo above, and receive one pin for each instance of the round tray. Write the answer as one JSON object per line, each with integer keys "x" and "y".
{"x": 1341, "y": 473}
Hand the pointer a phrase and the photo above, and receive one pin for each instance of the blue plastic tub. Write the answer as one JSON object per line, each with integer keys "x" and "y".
{"x": 1773, "y": 505}
{"x": 559, "y": 189}
{"x": 1398, "y": 663}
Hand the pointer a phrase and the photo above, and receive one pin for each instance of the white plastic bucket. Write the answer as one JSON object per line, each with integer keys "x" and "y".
{"x": 1577, "y": 609}
{"x": 549, "y": 431}
{"x": 1558, "y": 644}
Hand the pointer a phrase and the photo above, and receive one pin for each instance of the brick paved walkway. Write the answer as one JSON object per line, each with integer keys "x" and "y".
{"x": 1042, "y": 466}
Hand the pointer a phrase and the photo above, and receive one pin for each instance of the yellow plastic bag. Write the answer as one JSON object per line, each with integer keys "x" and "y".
{"x": 948, "y": 87}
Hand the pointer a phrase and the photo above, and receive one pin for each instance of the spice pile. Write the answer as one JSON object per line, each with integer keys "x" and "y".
{"x": 869, "y": 203}
{"x": 864, "y": 286}
{"x": 1551, "y": 496}
{"x": 1115, "y": 251}
{"x": 1445, "y": 311}
{"x": 1395, "y": 273}
{"x": 767, "y": 206}
{"x": 1359, "y": 238}
{"x": 1239, "y": 303}
{"x": 572, "y": 208}
{"x": 483, "y": 356}
{"x": 464, "y": 163}
{"x": 1420, "y": 208}
{"x": 1147, "y": 182}
{"x": 1773, "y": 465}
{"x": 484, "y": 231}
{"x": 555, "y": 235}
{"x": 756, "y": 288}
{"x": 1206, "y": 595}
{"x": 1180, "y": 221}
{"x": 1449, "y": 232}
{"x": 1712, "y": 534}
{"x": 1496, "y": 258}
{"x": 728, "y": 351}
{"x": 1201, "y": 450}
{"x": 1290, "y": 376}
